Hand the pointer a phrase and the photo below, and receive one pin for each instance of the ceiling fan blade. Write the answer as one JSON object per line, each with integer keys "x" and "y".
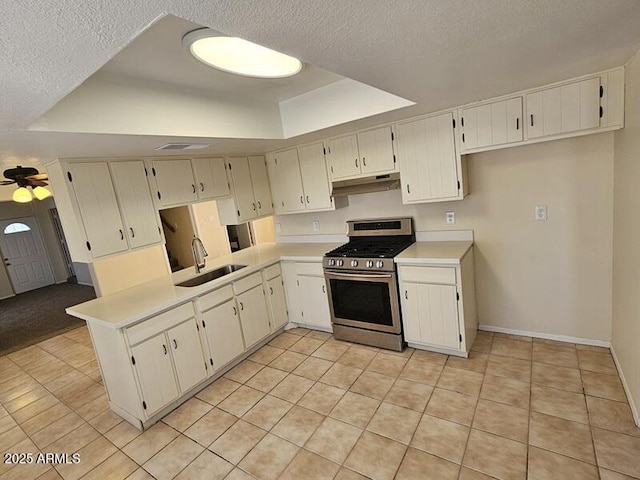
{"x": 7, "y": 182}
{"x": 37, "y": 183}
{"x": 39, "y": 176}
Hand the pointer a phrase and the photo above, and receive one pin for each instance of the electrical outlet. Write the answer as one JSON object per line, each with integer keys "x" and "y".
{"x": 540, "y": 212}
{"x": 316, "y": 225}
{"x": 278, "y": 227}
{"x": 451, "y": 217}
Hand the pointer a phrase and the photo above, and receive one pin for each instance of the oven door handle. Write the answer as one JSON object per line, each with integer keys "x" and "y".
{"x": 359, "y": 275}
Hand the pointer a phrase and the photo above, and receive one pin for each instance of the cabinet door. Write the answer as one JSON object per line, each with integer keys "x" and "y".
{"x": 315, "y": 303}
{"x": 287, "y": 171}
{"x": 253, "y": 315}
{"x": 98, "y": 207}
{"x": 260, "y": 182}
{"x": 313, "y": 169}
{"x": 277, "y": 303}
{"x": 224, "y": 336}
{"x": 428, "y": 161}
{"x": 242, "y": 189}
{"x": 492, "y": 124}
{"x": 211, "y": 177}
{"x": 187, "y": 354}
{"x": 138, "y": 212}
{"x": 376, "y": 151}
{"x": 344, "y": 161}
{"x": 174, "y": 179}
{"x": 563, "y": 109}
{"x": 430, "y": 314}
{"x": 155, "y": 373}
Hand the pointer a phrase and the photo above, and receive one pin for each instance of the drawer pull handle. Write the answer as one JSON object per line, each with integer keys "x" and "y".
{"x": 259, "y": 205}
{"x": 241, "y": 306}
{"x": 121, "y": 234}
{"x": 301, "y": 199}
{"x": 532, "y": 119}
{"x": 364, "y": 161}
{"x": 270, "y": 290}
{"x": 175, "y": 344}
{"x": 356, "y": 163}
{"x": 323, "y": 290}
{"x": 254, "y": 206}
{"x": 193, "y": 187}
{"x": 201, "y": 187}
{"x": 133, "y": 234}
{"x": 517, "y": 124}
{"x": 406, "y": 294}
{"x": 165, "y": 349}
{"x": 235, "y": 311}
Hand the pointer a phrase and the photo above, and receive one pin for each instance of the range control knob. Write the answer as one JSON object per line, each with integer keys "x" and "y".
{"x": 379, "y": 264}
{"x": 332, "y": 262}
{"x": 369, "y": 263}
{"x": 340, "y": 262}
{"x": 354, "y": 263}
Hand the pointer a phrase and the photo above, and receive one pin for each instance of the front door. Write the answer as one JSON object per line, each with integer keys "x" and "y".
{"x": 24, "y": 254}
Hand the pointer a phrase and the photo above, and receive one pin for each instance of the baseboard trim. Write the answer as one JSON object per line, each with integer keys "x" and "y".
{"x": 547, "y": 336}
{"x": 625, "y": 385}
{"x": 8, "y": 296}
{"x": 86, "y": 284}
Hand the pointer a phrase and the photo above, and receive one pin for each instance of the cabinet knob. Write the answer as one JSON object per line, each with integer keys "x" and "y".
{"x": 121, "y": 234}
{"x": 259, "y": 205}
{"x": 235, "y": 311}
{"x": 364, "y": 161}
{"x": 323, "y": 290}
{"x": 193, "y": 187}
{"x": 301, "y": 199}
{"x": 241, "y": 306}
{"x": 308, "y": 199}
{"x": 356, "y": 163}
{"x": 201, "y": 187}
{"x": 254, "y": 207}
{"x": 175, "y": 344}
{"x": 270, "y": 290}
{"x": 165, "y": 349}
{"x": 133, "y": 234}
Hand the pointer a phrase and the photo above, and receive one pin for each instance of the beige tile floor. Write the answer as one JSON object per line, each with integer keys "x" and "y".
{"x": 309, "y": 407}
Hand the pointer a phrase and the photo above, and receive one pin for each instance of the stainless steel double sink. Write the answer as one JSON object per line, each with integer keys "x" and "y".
{"x": 209, "y": 276}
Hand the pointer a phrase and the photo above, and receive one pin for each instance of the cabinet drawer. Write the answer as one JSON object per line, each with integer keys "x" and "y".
{"x": 212, "y": 299}
{"x": 310, "y": 269}
{"x": 154, "y": 325}
{"x": 272, "y": 272}
{"x": 247, "y": 283}
{"x": 444, "y": 275}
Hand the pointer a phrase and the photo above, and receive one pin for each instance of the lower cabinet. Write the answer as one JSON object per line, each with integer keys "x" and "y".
{"x": 307, "y": 294}
{"x": 439, "y": 306}
{"x": 223, "y": 335}
{"x": 277, "y": 303}
{"x": 252, "y": 308}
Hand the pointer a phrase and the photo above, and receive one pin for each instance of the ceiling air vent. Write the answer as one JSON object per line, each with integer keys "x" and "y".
{"x": 182, "y": 146}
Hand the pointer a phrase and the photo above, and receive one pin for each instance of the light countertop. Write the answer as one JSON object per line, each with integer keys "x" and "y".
{"x": 127, "y": 307}
{"x": 134, "y": 304}
{"x": 429, "y": 253}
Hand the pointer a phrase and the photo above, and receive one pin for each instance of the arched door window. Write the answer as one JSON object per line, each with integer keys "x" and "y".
{"x": 16, "y": 228}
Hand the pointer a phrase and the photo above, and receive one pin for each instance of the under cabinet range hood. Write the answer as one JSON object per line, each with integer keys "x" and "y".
{"x": 355, "y": 186}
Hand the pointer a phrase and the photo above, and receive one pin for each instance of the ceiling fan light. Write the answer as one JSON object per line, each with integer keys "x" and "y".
{"x": 41, "y": 193}
{"x": 22, "y": 195}
{"x": 235, "y": 55}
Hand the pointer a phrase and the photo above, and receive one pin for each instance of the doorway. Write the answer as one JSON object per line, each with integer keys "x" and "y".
{"x": 177, "y": 225}
{"x": 24, "y": 254}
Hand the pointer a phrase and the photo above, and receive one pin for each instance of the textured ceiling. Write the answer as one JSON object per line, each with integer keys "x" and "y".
{"x": 433, "y": 52}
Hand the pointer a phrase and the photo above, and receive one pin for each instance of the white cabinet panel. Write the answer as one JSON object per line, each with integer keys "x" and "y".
{"x": 260, "y": 183}
{"x": 253, "y": 316}
{"x": 224, "y": 336}
{"x": 174, "y": 180}
{"x": 315, "y": 303}
{"x": 211, "y": 177}
{"x": 428, "y": 161}
{"x": 284, "y": 173}
{"x": 313, "y": 170}
{"x": 564, "y": 109}
{"x": 155, "y": 373}
{"x": 343, "y": 157}
{"x": 277, "y": 303}
{"x": 376, "y": 151}
{"x": 242, "y": 188}
{"x": 98, "y": 207}
{"x": 138, "y": 212}
{"x": 187, "y": 354}
{"x": 491, "y": 124}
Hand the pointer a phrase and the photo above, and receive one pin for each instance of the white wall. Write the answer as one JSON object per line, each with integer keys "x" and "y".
{"x": 550, "y": 277}
{"x": 103, "y": 104}
{"x": 626, "y": 239}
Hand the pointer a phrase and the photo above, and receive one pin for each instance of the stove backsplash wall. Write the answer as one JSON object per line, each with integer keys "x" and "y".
{"x": 549, "y": 276}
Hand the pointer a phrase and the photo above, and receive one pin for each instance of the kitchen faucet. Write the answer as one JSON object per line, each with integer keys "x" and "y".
{"x": 199, "y": 252}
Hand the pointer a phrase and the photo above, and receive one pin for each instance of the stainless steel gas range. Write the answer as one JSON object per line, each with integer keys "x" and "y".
{"x": 362, "y": 283}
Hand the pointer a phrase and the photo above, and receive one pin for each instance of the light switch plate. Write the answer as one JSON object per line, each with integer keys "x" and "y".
{"x": 451, "y": 217}
{"x": 540, "y": 212}
{"x": 278, "y": 227}
{"x": 316, "y": 225}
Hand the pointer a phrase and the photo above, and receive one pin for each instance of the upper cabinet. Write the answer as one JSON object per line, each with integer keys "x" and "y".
{"x": 211, "y": 178}
{"x": 174, "y": 182}
{"x": 491, "y": 124}
{"x": 430, "y": 169}
{"x": 363, "y": 154}
{"x": 250, "y": 191}
{"x": 138, "y": 212}
{"x": 299, "y": 180}
{"x": 563, "y": 109}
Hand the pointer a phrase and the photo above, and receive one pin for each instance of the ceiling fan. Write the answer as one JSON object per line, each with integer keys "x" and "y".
{"x": 26, "y": 177}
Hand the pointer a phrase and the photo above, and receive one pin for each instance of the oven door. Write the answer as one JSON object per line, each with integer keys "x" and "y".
{"x": 364, "y": 300}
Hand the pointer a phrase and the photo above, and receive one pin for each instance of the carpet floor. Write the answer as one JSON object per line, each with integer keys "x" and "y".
{"x": 34, "y": 316}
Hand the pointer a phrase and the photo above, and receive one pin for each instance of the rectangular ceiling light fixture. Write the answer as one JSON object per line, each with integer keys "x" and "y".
{"x": 182, "y": 146}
